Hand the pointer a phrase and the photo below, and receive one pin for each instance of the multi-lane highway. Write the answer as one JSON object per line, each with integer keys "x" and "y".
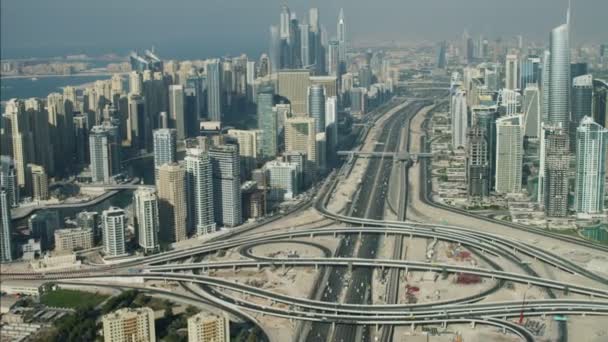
{"x": 344, "y": 310}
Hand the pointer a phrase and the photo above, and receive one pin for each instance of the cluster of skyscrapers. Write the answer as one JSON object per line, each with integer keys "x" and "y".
{"x": 549, "y": 109}
{"x": 223, "y": 175}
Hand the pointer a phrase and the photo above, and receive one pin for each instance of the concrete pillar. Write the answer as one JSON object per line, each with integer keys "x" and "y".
{"x": 472, "y": 324}
{"x": 412, "y": 327}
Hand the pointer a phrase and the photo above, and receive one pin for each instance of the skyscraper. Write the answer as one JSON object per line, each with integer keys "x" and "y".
{"x": 529, "y": 71}
{"x": 300, "y": 136}
{"x": 600, "y": 102}
{"x": 546, "y": 81}
{"x": 532, "y": 111}
{"x": 99, "y": 153}
{"x": 226, "y": 184}
{"x": 8, "y": 181}
{"x": 341, "y": 35}
{"x": 316, "y": 106}
{"x": 43, "y": 225}
{"x": 333, "y": 63}
{"x": 283, "y": 180}
{"x": 60, "y": 115}
{"x": 6, "y": 240}
{"x": 135, "y": 83}
{"x": 582, "y": 98}
{"x": 214, "y": 90}
{"x": 138, "y": 124}
{"x": 284, "y": 23}
{"x": 267, "y": 123}
{"x": 441, "y": 55}
{"x": 114, "y": 223}
{"x": 293, "y": 84}
{"x": 305, "y": 44}
{"x": 37, "y": 182}
{"x": 477, "y": 164}
{"x": 557, "y": 161}
{"x": 249, "y": 142}
{"x": 199, "y": 189}
{"x": 41, "y": 131}
{"x": 582, "y": 104}
{"x": 146, "y": 218}
{"x": 591, "y": 154}
{"x": 177, "y": 117}
{"x": 22, "y": 139}
{"x": 274, "y": 49}
{"x": 104, "y": 151}
{"x": 172, "y": 202}
{"x": 331, "y": 125}
{"x": 460, "y": 120}
{"x": 365, "y": 76}
{"x": 165, "y": 147}
{"x": 511, "y": 72}
{"x": 559, "y": 75}
{"x": 509, "y": 154}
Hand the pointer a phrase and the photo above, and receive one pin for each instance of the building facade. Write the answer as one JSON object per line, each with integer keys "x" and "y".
{"x": 114, "y": 223}
{"x": 591, "y": 154}
{"x": 147, "y": 218}
{"x": 129, "y": 325}
{"x": 509, "y": 154}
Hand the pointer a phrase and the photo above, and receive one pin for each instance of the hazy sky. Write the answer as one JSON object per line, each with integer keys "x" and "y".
{"x": 199, "y": 28}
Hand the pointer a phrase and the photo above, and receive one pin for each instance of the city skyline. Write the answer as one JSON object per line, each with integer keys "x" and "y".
{"x": 198, "y": 22}
{"x": 333, "y": 186}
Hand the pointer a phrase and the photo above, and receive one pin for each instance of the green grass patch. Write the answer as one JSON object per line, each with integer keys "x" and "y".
{"x": 71, "y": 299}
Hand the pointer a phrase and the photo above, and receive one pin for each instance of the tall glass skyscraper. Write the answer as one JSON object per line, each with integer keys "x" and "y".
{"x": 316, "y": 106}
{"x": 458, "y": 111}
{"x": 177, "y": 117}
{"x": 214, "y": 90}
{"x": 529, "y": 71}
{"x": 199, "y": 189}
{"x": 225, "y": 164}
{"x": 165, "y": 147}
{"x": 582, "y": 97}
{"x": 274, "y": 49}
{"x": 341, "y": 29}
{"x": 545, "y": 78}
{"x": 267, "y": 123}
{"x": 591, "y": 150}
{"x": 559, "y": 76}
{"x": 6, "y": 246}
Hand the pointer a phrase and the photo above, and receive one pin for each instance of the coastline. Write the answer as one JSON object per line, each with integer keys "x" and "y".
{"x": 9, "y": 77}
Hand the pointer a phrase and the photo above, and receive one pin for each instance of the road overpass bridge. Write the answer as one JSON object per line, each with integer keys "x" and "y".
{"x": 397, "y": 156}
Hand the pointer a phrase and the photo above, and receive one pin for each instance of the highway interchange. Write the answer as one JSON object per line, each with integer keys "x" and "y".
{"x": 344, "y": 310}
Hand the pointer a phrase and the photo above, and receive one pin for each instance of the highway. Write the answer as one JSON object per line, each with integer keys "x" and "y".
{"x": 355, "y": 286}
{"x": 344, "y": 311}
